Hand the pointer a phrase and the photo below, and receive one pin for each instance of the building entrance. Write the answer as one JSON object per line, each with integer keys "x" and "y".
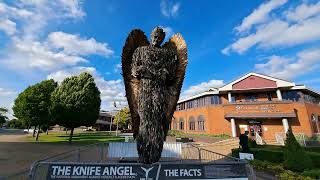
{"x": 254, "y": 128}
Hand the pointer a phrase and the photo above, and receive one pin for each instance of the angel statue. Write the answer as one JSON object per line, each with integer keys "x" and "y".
{"x": 153, "y": 77}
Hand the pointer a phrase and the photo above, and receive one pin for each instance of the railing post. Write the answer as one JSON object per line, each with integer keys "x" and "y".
{"x": 199, "y": 151}
{"x": 304, "y": 140}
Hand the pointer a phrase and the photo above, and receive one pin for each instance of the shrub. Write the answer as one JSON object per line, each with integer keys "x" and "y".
{"x": 314, "y": 173}
{"x": 289, "y": 175}
{"x": 295, "y": 157}
{"x": 176, "y": 133}
{"x": 313, "y": 149}
{"x": 15, "y": 123}
{"x": 235, "y": 152}
{"x": 252, "y": 143}
{"x": 268, "y": 155}
{"x": 265, "y": 165}
{"x": 315, "y": 158}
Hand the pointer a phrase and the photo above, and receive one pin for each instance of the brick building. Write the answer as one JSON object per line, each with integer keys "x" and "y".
{"x": 258, "y": 103}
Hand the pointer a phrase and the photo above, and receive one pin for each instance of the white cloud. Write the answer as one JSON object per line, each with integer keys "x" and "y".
{"x": 169, "y": 8}
{"x": 73, "y": 44}
{"x": 202, "y": 87}
{"x": 13, "y": 12}
{"x": 8, "y": 14}
{"x": 279, "y": 32}
{"x": 111, "y": 90}
{"x": 303, "y": 11}
{"x": 7, "y": 97}
{"x": 118, "y": 68}
{"x": 6, "y": 92}
{"x": 291, "y": 67}
{"x": 28, "y": 55}
{"x": 60, "y": 75}
{"x": 72, "y": 8}
{"x": 259, "y": 15}
{"x": 8, "y": 26}
{"x": 30, "y": 49}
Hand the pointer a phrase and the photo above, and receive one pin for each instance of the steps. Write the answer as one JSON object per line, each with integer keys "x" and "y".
{"x": 223, "y": 147}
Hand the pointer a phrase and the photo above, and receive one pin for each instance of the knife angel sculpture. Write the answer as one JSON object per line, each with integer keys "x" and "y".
{"x": 153, "y": 77}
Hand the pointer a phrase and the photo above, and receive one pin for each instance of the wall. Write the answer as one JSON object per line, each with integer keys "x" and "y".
{"x": 215, "y": 122}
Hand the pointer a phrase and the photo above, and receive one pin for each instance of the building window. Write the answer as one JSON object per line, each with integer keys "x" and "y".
{"x": 215, "y": 99}
{"x": 201, "y": 123}
{"x": 310, "y": 99}
{"x": 291, "y": 95}
{"x": 178, "y": 107}
{"x": 269, "y": 96}
{"x": 174, "y": 125}
{"x": 189, "y": 104}
{"x": 183, "y": 106}
{"x": 192, "y": 124}
{"x": 315, "y": 124}
{"x": 250, "y": 97}
{"x": 233, "y": 98}
{"x": 181, "y": 124}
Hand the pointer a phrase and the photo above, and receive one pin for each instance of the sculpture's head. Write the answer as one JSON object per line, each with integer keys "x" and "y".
{"x": 157, "y": 36}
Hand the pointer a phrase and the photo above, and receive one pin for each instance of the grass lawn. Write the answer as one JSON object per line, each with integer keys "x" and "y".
{"x": 78, "y": 137}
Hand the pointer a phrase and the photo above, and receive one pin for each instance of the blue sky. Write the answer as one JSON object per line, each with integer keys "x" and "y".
{"x": 225, "y": 38}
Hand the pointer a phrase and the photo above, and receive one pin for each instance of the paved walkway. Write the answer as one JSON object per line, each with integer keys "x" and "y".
{"x": 16, "y": 155}
{"x": 11, "y": 135}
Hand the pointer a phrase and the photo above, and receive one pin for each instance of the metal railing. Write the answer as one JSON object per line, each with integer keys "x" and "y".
{"x": 280, "y": 140}
{"x": 192, "y": 152}
{"x": 98, "y": 153}
{"x": 300, "y": 137}
{"x": 259, "y": 139}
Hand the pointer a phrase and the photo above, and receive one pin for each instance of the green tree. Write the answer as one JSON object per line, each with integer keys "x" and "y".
{"x": 123, "y": 118}
{"x": 15, "y": 123}
{"x": 3, "y": 116}
{"x": 76, "y": 102}
{"x": 33, "y": 104}
{"x": 295, "y": 157}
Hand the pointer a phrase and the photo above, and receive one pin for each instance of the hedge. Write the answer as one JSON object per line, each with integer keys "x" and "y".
{"x": 275, "y": 156}
{"x": 313, "y": 149}
{"x": 315, "y": 158}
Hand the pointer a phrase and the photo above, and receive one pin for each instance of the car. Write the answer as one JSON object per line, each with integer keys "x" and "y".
{"x": 28, "y": 130}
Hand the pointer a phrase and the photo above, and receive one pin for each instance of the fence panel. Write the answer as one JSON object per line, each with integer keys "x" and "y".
{"x": 99, "y": 153}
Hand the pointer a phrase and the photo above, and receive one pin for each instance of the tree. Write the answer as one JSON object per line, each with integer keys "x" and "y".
{"x": 295, "y": 157}
{"x": 76, "y": 102}
{"x": 33, "y": 104}
{"x": 3, "y": 117}
{"x": 123, "y": 118}
{"x": 15, "y": 123}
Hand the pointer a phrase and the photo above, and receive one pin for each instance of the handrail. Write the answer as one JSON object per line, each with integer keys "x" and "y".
{"x": 234, "y": 158}
{"x": 279, "y": 139}
{"x": 212, "y": 152}
{"x": 259, "y": 139}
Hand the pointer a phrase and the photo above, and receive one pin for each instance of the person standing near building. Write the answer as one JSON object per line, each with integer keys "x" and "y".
{"x": 243, "y": 142}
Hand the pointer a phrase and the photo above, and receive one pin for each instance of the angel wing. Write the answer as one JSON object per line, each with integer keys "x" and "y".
{"x": 135, "y": 39}
{"x": 178, "y": 44}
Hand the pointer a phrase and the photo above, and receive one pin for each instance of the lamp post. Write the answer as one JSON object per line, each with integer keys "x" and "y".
{"x": 117, "y": 123}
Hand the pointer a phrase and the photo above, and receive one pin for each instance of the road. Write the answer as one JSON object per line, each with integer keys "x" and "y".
{"x": 16, "y": 155}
